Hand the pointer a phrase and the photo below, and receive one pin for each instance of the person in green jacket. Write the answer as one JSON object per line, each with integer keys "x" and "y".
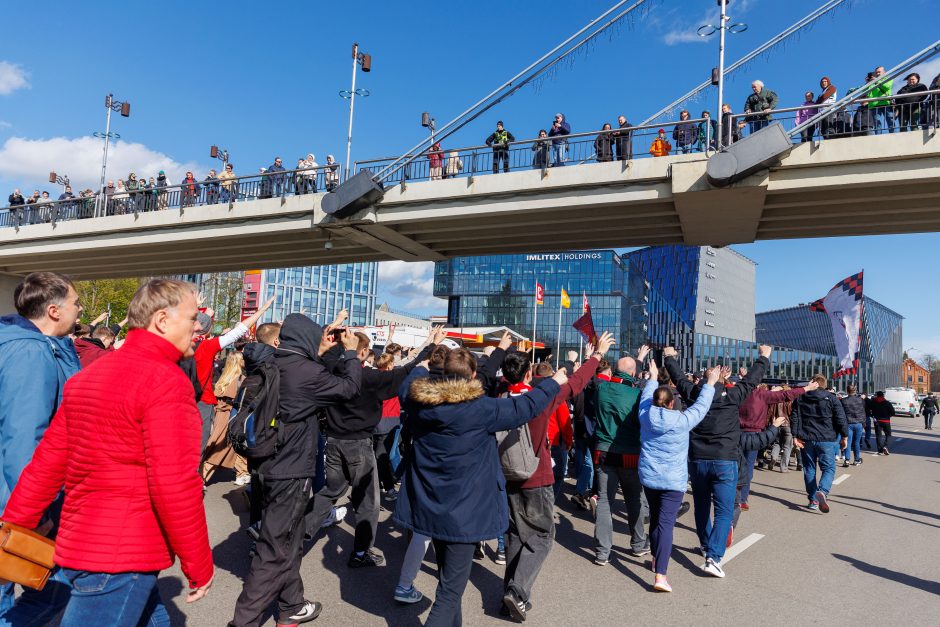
{"x": 882, "y": 111}
{"x": 760, "y": 103}
{"x": 617, "y": 456}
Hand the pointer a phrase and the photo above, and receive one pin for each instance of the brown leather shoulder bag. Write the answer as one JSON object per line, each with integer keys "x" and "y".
{"x": 25, "y": 556}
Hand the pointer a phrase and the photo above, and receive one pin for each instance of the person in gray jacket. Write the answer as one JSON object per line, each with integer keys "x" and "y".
{"x": 854, "y": 407}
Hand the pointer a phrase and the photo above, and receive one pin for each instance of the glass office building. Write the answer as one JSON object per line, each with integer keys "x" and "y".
{"x": 804, "y": 330}
{"x": 500, "y": 290}
{"x": 699, "y": 299}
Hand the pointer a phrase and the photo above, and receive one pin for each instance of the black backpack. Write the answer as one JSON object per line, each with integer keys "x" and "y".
{"x": 254, "y": 425}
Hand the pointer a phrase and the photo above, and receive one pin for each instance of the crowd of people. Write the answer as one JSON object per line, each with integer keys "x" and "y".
{"x": 133, "y": 194}
{"x": 469, "y": 448}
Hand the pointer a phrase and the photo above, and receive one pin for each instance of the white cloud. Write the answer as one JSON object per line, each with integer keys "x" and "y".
{"x": 674, "y": 37}
{"x": 409, "y": 286}
{"x": 12, "y": 77}
{"x": 30, "y": 161}
{"x": 686, "y": 32}
{"x": 5, "y": 124}
{"x": 392, "y": 271}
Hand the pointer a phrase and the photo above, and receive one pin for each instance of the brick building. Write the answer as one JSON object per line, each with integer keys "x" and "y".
{"x": 915, "y": 376}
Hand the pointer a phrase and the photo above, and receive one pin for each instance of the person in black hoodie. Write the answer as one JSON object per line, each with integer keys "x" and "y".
{"x": 714, "y": 455}
{"x": 307, "y": 387}
{"x": 350, "y": 457}
{"x": 817, "y": 421}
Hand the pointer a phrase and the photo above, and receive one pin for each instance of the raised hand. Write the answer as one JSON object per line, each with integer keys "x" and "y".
{"x": 506, "y": 341}
{"x": 560, "y": 377}
{"x": 812, "y": 385}
{"x": 604, "y": 342}
{"x": 654, "y": 370}
{"x": 712, "y": 375}
{"x": 350, "y": 341}
{"x": 642, "y": 352}
{"x": 670, "y": 351}
{"x": 765, "y": 350}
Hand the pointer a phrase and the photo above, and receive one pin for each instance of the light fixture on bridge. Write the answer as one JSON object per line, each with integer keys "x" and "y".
{"x": 718, "y": 74}
{"x": 328, "y": 244}
{"x": 219, "y": 153}
{"x": 58, "y": 180}
{"x": 365, "y": 60}
{"x": 125, "y": 110}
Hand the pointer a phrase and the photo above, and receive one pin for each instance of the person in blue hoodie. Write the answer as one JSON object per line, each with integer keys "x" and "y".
{"x": 663, "y": 469}
{"x": 36, "y": 359}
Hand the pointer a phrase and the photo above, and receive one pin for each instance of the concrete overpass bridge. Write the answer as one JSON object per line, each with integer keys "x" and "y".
{"x": 837, "y": 187}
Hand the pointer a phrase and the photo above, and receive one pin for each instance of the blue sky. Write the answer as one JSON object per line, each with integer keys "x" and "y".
{"x": 262, "y": 80}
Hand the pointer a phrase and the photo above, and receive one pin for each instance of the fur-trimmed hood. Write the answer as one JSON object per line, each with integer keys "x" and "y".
{"x": 445, "y": 391}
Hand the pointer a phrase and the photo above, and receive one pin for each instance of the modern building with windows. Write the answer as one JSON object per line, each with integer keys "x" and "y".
{"x": 699, "y": 299}
{"x": 319, "y": 291}
{"x": 807, "y": 331}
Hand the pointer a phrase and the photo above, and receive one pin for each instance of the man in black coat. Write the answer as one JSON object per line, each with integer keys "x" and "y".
{"x": 350, "y": 457}
{"x": 307, "y": 387}
{"x": 817, "y": 420}
{"x": 714, "y": 454}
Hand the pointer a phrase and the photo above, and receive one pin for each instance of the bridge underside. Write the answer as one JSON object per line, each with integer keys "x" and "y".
{"x": 854, "y": 186}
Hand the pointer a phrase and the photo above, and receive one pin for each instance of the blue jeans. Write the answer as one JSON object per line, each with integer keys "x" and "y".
{"x": 560, "y": 467}
{"x": 824, "y": 454}
{"x": 714, "y": 481}
{"x": 35, "y": 608}
{"x": 584, "y": 465}
{"x": 884, "y": 118}
{"x": 750, "y": 458}
{"x": 855, "y": 442}
{"x": 121, "y": 600}
{"x": 559, "y": 154}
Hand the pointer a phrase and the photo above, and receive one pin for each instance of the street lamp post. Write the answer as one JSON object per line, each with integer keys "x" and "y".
{"x": 707, "y": 31}
{"x": 365, "y": 60}
{"x": 111, "y": 105}
{"x": 219, "y": 153}
{"x": 58, "y": 180}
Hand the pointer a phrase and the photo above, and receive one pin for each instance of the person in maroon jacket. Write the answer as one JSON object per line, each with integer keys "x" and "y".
{"x": 753, "y": 415}
{"x": 124, "y": 446}
{"x": 95, "y": 346}
{"x": 532, "y": 502}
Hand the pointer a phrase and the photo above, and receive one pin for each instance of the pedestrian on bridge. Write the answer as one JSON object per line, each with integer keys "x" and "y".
{"x": 541, "y": 150}
{"x": 661, "y": 147}
{"x": 560, "y": 128}
{"x": 499, "y": 140}
{"x": 602, "y": 144}
{"x": 623, "y": 140}
{"x": 684, "y": 133}
{"x": 760, "y": 103}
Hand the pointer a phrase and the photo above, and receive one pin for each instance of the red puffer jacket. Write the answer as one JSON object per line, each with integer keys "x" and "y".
{"x": 125, "y": 444}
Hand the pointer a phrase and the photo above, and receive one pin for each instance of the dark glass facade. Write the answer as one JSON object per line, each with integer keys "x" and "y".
{"x": 805, "y": 330}
{"x": 500, "y": 290}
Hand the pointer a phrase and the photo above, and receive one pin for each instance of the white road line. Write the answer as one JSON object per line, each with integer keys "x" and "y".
{"x": 898, "y": 439}
{"x": 840, "y": 479}
{"x": 916, "y": 430}
{"x": 738, "y": 547}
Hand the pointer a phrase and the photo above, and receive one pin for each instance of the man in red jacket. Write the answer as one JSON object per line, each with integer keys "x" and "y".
{"x": 532, "y": 502}
{"x": 133, "y": 498}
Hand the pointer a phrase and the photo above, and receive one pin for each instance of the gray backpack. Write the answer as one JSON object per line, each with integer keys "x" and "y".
{"x": 516, "y": 453}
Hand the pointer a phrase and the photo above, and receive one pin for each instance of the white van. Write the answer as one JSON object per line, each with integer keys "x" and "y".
{"x": 904, "y": 400}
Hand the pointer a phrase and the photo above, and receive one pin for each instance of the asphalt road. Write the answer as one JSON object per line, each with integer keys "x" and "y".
{"x": 871, "y": 560}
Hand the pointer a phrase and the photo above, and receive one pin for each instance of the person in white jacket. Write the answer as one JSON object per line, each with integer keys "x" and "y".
{"x": 663, "y": 467}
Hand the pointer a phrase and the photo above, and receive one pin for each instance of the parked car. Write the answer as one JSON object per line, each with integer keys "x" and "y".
{"x": 904, "y": 400}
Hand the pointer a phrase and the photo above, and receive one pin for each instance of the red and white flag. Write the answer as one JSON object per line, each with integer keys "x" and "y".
{"x": 585, "y": 307}
{"x": 843, "y": 304}
{"x": 539, "y": 293}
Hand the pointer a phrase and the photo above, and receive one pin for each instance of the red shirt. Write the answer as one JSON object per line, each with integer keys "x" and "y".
{"x": 205, "y": 361}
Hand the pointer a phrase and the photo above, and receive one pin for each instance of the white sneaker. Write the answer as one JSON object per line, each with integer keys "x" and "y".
{"x": 713, "y": 568}
{"x": 241, "y": 480}
{"x": 335, "y": 517}
{"x": 307, "y": 613}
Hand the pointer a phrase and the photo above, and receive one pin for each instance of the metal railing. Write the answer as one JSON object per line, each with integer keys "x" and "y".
{"x": 198, "y": 193}
{"x": 541, "y": 153}
{"x": 863, "y": 116}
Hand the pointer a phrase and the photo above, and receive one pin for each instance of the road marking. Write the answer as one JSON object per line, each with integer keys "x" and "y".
{"x": 738, "y": 547}
{"x": 840, "y": 479}
{"x": 916, "y": 430}
{"x": 898, "y": 439}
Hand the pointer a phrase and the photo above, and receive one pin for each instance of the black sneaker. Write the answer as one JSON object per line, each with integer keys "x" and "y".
{"x": 885, "y": 449}
{"x": 366, "y": 560}
{"x": 307, "y": 613}
{"x": 478, "y": 552}
{"x": 683, "y": 509}
{"x": 514, "y": 606}
{"x": 504, "y": 611}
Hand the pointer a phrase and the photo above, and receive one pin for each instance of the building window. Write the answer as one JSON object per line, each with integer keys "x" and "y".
{"x": 709, "y": 323}
{"x": 709, "y": 275}
{"x": 710, "y": 312}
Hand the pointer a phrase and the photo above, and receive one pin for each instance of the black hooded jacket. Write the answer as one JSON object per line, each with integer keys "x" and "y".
{"x": 255, "y": 354}
{"x": 307, "y": 388}
{"x": 717, "y": 436}
{"x": 356, "y": 418}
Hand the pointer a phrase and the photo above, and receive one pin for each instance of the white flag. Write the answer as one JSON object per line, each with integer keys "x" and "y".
{"x": 843, "y": 305}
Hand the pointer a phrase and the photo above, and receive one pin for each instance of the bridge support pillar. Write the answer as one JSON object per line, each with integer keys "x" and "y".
{"x": 8, "y": 283}
{"x": 717, "y": 217}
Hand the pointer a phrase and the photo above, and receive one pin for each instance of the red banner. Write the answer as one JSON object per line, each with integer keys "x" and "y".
{"x": 539, "y": 293}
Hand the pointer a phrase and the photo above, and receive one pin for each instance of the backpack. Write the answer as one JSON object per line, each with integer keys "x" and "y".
{"x": 516, "y": 452}
{"x": 254, "y": 424}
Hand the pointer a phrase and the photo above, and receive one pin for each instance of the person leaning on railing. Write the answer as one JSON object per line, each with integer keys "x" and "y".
{"x": 228, "y": 183}
{"x": 909, "y": 105}
{"x": 761, "y": 103}
{"x": 454, "y": 165}
{"x": 331, "y": 173}
{"x": 828, "y": 95}
{"x": 499, "y": 140}
{"x": 541, "y": 150}
{"x": 602, "y": 144}
{"x": 623, "y": 140}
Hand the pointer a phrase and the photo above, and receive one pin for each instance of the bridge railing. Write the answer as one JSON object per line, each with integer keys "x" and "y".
{"x": 177, "y": 197}
{"x": 544, "y": 152}
{"x": 863, "y": 116}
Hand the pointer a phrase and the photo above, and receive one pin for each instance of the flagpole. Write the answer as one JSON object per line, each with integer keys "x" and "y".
{"x": 558, "y": 346}
{"x": 535, "y": 318}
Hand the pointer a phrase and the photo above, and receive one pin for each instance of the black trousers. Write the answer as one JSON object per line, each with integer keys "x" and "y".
{"x": 882, "y": 434}
{"x": 454, "y": 561}
{"x": 530, "y": 537}
{"x": 500, "y": 154}
{"x": 349, "y": 464}
{"x": 382, "y": 446}
{"x": 275, "y": 568}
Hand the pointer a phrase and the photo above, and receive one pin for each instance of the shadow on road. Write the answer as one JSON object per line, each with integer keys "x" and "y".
{"x": 932, "y": 587}
{"x": 171, "y": 590}
{"x": 906, "y": 510}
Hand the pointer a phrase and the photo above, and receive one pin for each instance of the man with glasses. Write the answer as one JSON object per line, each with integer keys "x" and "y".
{"x": 229, "y": 184}
{"x": 560, "y": 128}
{"x": 276, "y": 180}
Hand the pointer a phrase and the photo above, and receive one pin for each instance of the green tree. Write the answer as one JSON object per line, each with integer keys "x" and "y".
{"x": 97, "y": 295}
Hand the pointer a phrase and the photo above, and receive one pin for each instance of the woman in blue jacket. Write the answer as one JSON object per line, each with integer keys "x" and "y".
{"x": 454, "y": 490}
{"x": 664, "y": 454}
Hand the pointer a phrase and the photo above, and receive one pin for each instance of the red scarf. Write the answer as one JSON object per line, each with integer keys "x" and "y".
{"x": 517, "y": 389}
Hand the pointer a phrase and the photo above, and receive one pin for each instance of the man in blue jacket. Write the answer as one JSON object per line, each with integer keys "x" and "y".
{"x": 36, "y": 359}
